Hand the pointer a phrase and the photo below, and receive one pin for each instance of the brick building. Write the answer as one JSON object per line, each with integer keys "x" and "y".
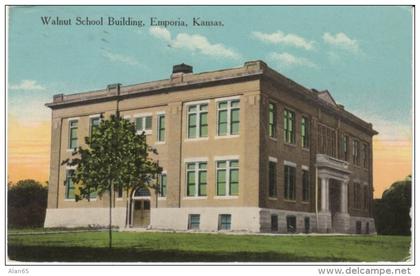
{"x": 242, "y": 149}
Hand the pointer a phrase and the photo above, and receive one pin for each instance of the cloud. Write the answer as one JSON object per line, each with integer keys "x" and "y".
{"x": 287, "y": 39}
{"x": 27, "y": 85}
{"x": 286, "y": 59}
{"x": 114, "y": 57}
{"x": 193, "y": 43}
{"x": 341, "y": 40}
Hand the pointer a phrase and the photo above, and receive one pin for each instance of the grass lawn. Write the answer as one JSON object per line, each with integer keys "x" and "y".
{"x": 194, "y": 247}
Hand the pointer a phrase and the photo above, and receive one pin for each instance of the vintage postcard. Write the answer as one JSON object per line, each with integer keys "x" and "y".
{"x": 210, "y": 134}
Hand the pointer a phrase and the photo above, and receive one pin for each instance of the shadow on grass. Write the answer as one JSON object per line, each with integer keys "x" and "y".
{"x": 87, "y": 254}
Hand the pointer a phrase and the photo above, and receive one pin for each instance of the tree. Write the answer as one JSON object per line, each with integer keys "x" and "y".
{"x": 116, "y": 157}
{"x": 26, "y": 203}
{"x": 392, "y": 211}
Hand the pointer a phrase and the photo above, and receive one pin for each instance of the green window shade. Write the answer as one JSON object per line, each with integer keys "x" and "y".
{"x": 191, "y": 166}
{"x": 221, "y": 164}
{"x": 223, "y": 123}
{"x": 139, "y": 123}
{"x": 234, "y": 163}
{"x": 221, "y": 182}
{"x": 192, "y": 127}
{"x": 192, "y": 108}
{"x": 203, "y": 124}
{"x": 234, "y": 127}
{"x": 223, "y": 105}
{"x": 73, "y": 137}
{"x": 94, "y": 123}
{"x": 69, "y": 185}
{"x": 148, "y": 122}
{"x": 234, "y": 103}
{"x": 163, "y": 183}
{"x": 202, "y": 188}
{"x": 191, "y": 183}
{"x": 234, "y": 182}
{"x": 161, "y": 128}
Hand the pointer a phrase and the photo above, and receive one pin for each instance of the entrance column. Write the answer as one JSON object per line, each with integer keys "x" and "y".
{"x": 344, "y": 197}
{"x": 325, "y": 204}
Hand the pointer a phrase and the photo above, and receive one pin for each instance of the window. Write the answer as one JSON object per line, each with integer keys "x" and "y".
{"x": 346, "y": 147}
{"x": 289, "y": 126}
{"x": 197, "y": 179}
{"x": 305, "y": 132}
{"x": 307, "y": 224}
{"x": 272, "y": 114}
{"x": 289, "y": 182}
{"x": 227, "y": 175}
{"x": 94, "y": 124}
{"x": 367, "y": 231}
{"x": 162, "y": 185}
{"x": 224, "y": 222}
{"x": 144, "y": 123}
{"x": 73, "y": 134}
{"x": 69, "y": 194}
{"x": 228, "y": 118}
{"x": 365, "y": 197}
{"x": 291, "y": 224}
{"x": 193, "y": 222}
{"x": 356, "y": 153}
{"x": 197, "y": 121}
{"x": 274, "y": 223}
{"x": 305, "y": 185}
{"x": 272, "y": 179}
{"x": 365, "y": 156}
{"x": 161, "y": 128}
{"x": 356, "y": 195}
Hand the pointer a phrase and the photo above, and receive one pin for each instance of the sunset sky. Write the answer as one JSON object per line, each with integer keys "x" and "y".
{"x": 362, "y": 55}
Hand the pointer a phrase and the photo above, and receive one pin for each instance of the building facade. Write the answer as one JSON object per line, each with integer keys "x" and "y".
{"x": 242, "y": 149}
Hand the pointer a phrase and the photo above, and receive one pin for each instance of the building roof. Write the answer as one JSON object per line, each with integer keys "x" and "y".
{"x": 181, "y": 81}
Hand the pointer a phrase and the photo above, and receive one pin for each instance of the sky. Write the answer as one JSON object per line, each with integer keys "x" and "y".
{"x": 362, "y": 55}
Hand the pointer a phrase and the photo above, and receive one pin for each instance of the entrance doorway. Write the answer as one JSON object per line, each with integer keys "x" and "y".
{"x": 335, "y": 202}
{"x": 141, "y": 208}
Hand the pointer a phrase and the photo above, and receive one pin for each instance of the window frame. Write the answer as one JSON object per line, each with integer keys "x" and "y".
{"x": 228, "y": 170}
{"x": 289, "y": 126}
{"x": 221, "y": 223}
{"x": 356, "y": 152}
{"x": 69, "y": 174}
{"x": 288, "y": 184}
{"x": 196, "y": 170}
{"x": 70, "y": 138}
{"x": 306, "y": 192}
{"x": 305, "y": 132}
{"x": 143, "y": 117}
{"x": 272, "y": 187}
{"x": 272, "y": 126}
{"x": 163, "y": 189}
{"x": 229, "y": 110}
{"x": 198, "y": 120}
{"x": 190, "y": 224}
{"x": 159, "y": 116}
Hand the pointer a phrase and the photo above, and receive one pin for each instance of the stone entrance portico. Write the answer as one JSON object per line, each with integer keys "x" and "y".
{"x": 333, "y": 175}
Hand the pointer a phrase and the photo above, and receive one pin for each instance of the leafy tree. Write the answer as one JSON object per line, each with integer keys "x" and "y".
{"x": 26, "y": 203}
{"x": 392, "y": 211}
{"x": 116, "y": 157}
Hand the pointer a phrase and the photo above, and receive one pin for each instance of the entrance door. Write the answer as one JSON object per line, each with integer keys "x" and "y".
{"x": 141, "y": 214}
{"x": 335, "y": 202}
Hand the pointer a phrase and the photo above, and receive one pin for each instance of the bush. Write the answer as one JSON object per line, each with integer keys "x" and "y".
{"x": 27, "y": 204}
{"x": 392, "y": 211}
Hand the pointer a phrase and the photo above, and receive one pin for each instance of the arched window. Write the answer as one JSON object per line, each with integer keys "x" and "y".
{"x": 142, "y": 192}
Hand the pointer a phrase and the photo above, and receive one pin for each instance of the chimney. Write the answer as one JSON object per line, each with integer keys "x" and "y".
{"x": 179, "y": 70}
{"x": 182, "y": 68}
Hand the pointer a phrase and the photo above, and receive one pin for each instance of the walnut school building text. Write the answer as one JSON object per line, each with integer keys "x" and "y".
{"x": 242, "y": 149}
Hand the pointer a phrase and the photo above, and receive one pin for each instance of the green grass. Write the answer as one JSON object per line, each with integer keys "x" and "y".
{"x": 194, "y": 247}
